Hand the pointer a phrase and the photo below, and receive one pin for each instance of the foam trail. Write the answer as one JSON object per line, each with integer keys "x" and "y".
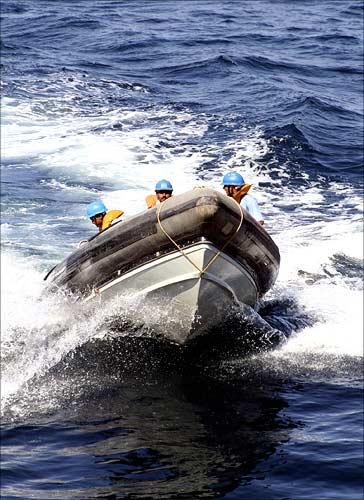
{"x": 333, "y": 294}
{"x": 340, "y": 330}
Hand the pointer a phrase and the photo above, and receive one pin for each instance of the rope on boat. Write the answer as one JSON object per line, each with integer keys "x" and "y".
{"x": 214, "y": 257}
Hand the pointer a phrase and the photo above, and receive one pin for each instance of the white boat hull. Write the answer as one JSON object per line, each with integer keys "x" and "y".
{"x": 175, "y": 299}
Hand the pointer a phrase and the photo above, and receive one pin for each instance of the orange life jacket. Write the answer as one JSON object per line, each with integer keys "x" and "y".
{"x": 242, "y": 192}
{"x": 110, "y": 216}
{"x": 151, "y": 200}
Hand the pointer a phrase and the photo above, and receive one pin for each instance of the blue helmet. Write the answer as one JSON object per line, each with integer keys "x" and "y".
{"x": 233, "y": 179}
{"x": 95, "y": 208}
{"x": 163, "y": 185}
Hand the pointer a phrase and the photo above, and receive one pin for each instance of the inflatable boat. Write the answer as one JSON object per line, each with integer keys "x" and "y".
{"x": 184, "y": 263}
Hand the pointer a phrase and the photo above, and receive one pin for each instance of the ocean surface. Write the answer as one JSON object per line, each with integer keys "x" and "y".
{"x": 102, "y": 98}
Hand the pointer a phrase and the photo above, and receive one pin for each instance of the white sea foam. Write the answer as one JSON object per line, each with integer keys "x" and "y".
{"x": 335, "y": 299}
{"x": 38, "y": 330}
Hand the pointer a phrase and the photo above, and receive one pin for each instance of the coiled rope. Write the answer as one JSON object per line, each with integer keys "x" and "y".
{"x": 214, "y": 257}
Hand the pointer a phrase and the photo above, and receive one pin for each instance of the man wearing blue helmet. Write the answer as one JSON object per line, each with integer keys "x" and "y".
{"x": 163, "y": 191}
{"x": 100, "y": 216}
{"x": 235, "y": 187}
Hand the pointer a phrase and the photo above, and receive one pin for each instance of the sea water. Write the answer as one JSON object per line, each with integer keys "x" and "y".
{"x": 100, "y": 100}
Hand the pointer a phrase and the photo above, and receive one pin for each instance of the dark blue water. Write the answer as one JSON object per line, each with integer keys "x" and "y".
{"x": 103, "y": 98}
